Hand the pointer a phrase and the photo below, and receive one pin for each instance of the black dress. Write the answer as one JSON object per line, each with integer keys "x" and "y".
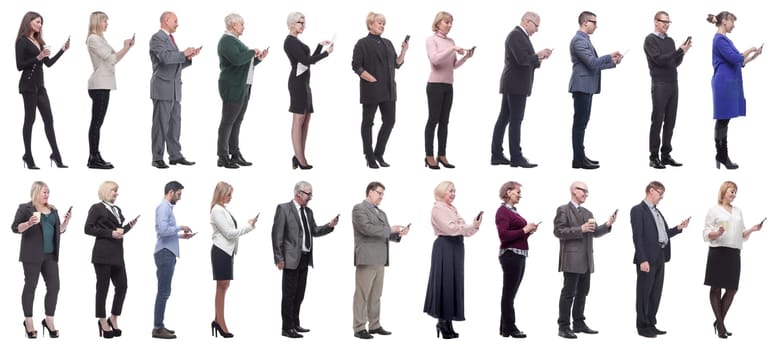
{"x": 299, "y": 85}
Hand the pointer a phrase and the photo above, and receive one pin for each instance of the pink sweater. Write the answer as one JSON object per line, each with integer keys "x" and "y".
{"x": 443, "y": 58}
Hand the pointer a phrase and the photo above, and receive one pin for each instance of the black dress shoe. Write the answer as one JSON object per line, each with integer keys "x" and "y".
{"x": 567, "y": 333}
{"x": 523, "y": 163}
{"x": 667, "y": 160}
{"x": 363, "y": 334}
{"x": 591, "y": 160}
{"x": 514, "y": 334}
{"x": 237, "y": 158}
{"x": 291, "y": 333}
{"x": 584, "y": 329}
{"x": 159, "y": 164}
{"x": 381, "y": 162}
{"x": 647, "y": 332}
{"x": 225, "y": 162}
{"x": 501, "y": 160}
{"x": 583, "y": 164}
{"x": 299, "y": 329}
{"x": 655, "y": 163}
{"x": 181, "y": 161}
{"x": 660, "y": 332}
{"x": 381, "y": 331}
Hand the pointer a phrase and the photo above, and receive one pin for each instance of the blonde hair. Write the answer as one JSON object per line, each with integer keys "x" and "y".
{"x": 441, "y": 189}
{"x": 723, "y": 190}
{"x": 440, "y": 17}
{"x": 220, "y": 192}
{"x": 293, "y": 18}
{"x": 373, "y": 17}
{"x": 96, "y": 20}
{"x": 35, "y": 191}
{"x": 104, "y": 192}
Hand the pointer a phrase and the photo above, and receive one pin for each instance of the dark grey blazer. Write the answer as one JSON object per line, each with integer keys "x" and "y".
{"x": 166, "y": 64}
{"x": 31, "y": 250}
{"x": 586, "y": 65}
{"x": 372, "y": 234}
{"x": 576, "y": 252}
{"x": 287, "y": 234}
{"x": 520, "y": 64}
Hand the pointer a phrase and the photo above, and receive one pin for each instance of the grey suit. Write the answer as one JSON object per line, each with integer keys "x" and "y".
{"x": 287, "y": 237}
{"x": 576, "y": 260}
{"x": 167, "y": 62}
{"x": 372, "y": 234}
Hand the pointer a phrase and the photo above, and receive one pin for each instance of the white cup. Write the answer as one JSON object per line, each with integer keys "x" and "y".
{"x": 37, "y": 214}
{"x": 120, "y": 230}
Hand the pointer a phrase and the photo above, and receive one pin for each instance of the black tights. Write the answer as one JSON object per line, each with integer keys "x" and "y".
{"x": 39, "y": 100}
{"x": 721, "y": 303}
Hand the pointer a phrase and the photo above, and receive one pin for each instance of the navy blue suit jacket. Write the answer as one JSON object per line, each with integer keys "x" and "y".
{"x": 645, "y": 235}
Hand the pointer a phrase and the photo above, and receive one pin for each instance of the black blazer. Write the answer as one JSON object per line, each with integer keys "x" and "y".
{"x": 100, "y": 222}
{"x": 31, "y": 249}
{"x": 520, "y": 64}
{"x": 377, "y": 56}
{"x": 287, "y": 234}
{"x": 32, "y": 70}
{"x": 645, "y": 236}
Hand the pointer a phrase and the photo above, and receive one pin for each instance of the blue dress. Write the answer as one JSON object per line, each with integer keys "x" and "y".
{"x": 729, "y": 101}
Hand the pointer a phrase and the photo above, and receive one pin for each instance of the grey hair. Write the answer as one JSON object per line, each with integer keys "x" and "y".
{"x": 231, "y": 19}
{"x": 298, "y": 187}
{"x": 293, "y": 18}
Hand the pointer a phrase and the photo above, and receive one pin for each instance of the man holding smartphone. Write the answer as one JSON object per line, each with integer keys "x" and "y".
{"x": 663, "y": 59}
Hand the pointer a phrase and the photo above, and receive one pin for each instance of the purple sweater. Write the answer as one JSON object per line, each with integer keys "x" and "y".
{"x": 510, "y": 228}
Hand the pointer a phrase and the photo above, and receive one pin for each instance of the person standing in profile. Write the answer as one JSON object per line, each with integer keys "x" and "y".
{"x": 651, "y": 237}
{"x": 521, "y": 60}
{"x": 374, "y": 61}
{"x": 576, "y": 229}
{"x": 663, "y": 59}
{"x": 292, "y": 235}
{"x": 729, "y": 100}
{"x": 585, "y": 83}
{"x": 165, "y": 254}
{"x": 167, "y": 62}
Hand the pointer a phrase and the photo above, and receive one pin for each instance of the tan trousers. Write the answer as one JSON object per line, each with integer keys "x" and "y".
{"x": 369, "y": 284}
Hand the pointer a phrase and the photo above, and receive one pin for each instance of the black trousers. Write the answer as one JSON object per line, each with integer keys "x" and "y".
{"x": 100, "y": 99}
{"x": 664, "y": 98}
{"x": 105, "y": 274}
{"x": 387, "y": 123}
{"x": 512, "y": 273}
{"x": 582, "y": 106}
{"x": 649, "y": 291}
{"x": 511, "y": 112}
{"x": 49, "y": 269}
{"x": 293, "y": 283}
{"x": 229, "y": 127}
{"x": 440, "y": 96}
{"x": 38, "y": 100}
{"x": 574, "y": 292}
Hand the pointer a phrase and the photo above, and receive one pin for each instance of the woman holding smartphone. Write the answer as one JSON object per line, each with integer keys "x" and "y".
{"x": 442, "y": 53}
{"x": 514, "y": 231}
{"x": 446, "y": 288}
{"x": 106, "y": 223}
{"x": 101, "y": 82}
{"x": 31, "y": 54}
{"x": 725, "y": 231}
{"x": 301, "y": 102}
{"x": 38, "y": 223}
{"x": 225, "y": 245}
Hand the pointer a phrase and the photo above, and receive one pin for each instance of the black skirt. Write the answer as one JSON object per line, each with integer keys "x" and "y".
{"x": 221, "y": 263}
{"x": 723, "y": 268}
{"x": 446, "y": 287}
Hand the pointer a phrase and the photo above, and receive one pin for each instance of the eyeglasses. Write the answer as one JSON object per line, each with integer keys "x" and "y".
{"x": 380, "y": 193}
{"x": 592, "y": 21}
{"x": 301, "y": 22}
{"x": 664, "y": 21}
{"x": 533, "y": 23}
{"x": 585, "y": 191}
{"x": 309, "y": 194}
{"x": 660, "y": 192}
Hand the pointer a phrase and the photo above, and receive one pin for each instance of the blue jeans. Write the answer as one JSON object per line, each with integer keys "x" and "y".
{"x": 166, "y": 265}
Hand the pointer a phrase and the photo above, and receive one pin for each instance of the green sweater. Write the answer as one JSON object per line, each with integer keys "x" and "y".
{"x": 234, "y": 61}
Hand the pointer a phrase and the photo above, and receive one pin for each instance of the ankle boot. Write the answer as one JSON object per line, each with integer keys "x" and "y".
{"x": 722, "y": 155}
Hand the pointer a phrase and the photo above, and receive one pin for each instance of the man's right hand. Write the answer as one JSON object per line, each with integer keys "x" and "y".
{"x": 645, "y": 267}
{"x": 280, "y": 265}
{"x": 588, "y": 227}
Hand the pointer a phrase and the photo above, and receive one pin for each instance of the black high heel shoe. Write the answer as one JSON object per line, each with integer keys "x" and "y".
{"x": 29, "y": 162}
{"x": 381, "y": 162}
{"x": 104, "y": 333}
{"x": 371, "y": 163}
{"x": 296, "y": 163}
{"x": 30, "y": 334}
{"x": 445, "y": 164}
{"x": 116, "y": 331}
{"x": 52, "y": 333}
{"x": 443, "y": 328}
{"x": 57, "y": 159}
{"x": 431, "y": 166}
{"x": 724, "y": 328}
{"x": 215, "y": 327}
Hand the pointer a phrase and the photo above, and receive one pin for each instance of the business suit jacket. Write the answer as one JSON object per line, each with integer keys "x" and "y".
{"x": 520, "y": 64}
{"x": 586, "y": 65}
{"x": 100, "y": 222}
{"x": 235, "y": 59}
{"x": 377, "y": 56}
{"x": 166, "y": 64}
{"x": 287, "y": 234}
{"x": 103, "y": 59}
{"x": 226, "y": 233}
{"x": 32, "y": 70}
{"x": 372, "y": 234}
{"x": 576, "y": 249}
{"x": 31, "y": 247}
{"x": 645, "y": 236}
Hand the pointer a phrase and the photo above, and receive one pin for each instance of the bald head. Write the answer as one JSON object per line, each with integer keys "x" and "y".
{"x": 168, "y": 21}
{"x": 579, "y": 192}
{"x": 530, "y": 21}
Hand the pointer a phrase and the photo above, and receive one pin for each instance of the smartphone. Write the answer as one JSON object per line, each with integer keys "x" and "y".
{"x": 472, "y": 50}
{"x": 539, "y": 222}
{"x": 256, "y": 217}
{"x": 407, "y": 37}
{"x": 70, "y": 209}
{"x": 689, "y": 218}
{"x": 762, "y": 222}
{"x": 615, "y": 212}
{"x": 136, "y": 218}
{"x": 480, "y": 215}
{"x": 133, "y": 36}
{"x": 200, "y": 48}
{"x": 337, "y": 217}
{"x": 761, "y": 46}
{"x": 688, "y": 40}
{"x": 194, "y": 233}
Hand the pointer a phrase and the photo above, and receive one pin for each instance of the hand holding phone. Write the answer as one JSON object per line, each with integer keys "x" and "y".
{"x": 472, "y": 51}
{"x": 762, "y": 222}
{"x": 70, "y": 209}
{"x": 407, "y": 37}
{"x": 688, "y": 40}
{"x": 256, "y": 217}
{"x": 480, "y": 215}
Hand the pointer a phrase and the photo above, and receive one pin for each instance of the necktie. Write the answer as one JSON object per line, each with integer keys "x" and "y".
{"x": 173, "y": 40}
{"x": 115, "y": 212}
{"x": 306, "y": 229}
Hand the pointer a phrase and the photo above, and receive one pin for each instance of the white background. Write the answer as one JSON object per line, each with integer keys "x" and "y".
{"x": 617, "y": 136}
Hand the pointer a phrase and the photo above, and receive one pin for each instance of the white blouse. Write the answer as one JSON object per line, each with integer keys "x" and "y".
{"x": 733, "y": 227}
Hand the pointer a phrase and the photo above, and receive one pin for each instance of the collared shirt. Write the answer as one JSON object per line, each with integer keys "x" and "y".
{"x": 115, "y": 211}
{"x": 661, "y": 36}
{"x": 167, "y": 230}
{"x": 660, "y": 223}
{"x": 302, "y": 226}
